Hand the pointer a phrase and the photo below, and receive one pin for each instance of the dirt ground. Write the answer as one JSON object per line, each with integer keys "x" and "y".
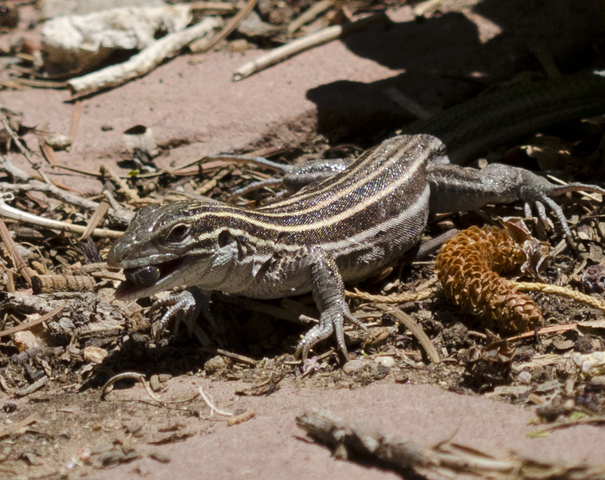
{"x": 498, "y": 398}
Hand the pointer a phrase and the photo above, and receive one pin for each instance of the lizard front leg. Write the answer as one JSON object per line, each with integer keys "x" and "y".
{"x": 329, "y": 295}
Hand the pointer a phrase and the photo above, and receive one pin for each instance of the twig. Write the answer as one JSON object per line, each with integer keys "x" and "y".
{"x": 75, "y": 120}
{"x": 400, "y": 298}
{"x": 123, "y": 187}
{"x": 9, "y": 167}
{"x": 10, "y": 429}
{"x": 561, "y": 291}
{"x": 28, "y": 325}
{"x": 143, "y": 62}
{"x": 15, "y": 138}
{"x": 15, "y": 214}
{"x": 220, "y": 8}
{"x": 14, "y": 253}
{"x": 416, "y": 330}
{"x": 203, "y": 45}
{"x": 542, "y": 331}
{"x": 318, "y": 38}
{"x": 241, "y": 418}
{"x": 37, "y": 385}
{"x": 309, "y": 15}
{"x": 235, "y": 356}
{"x": 95, "y": 219}
{"x": 400, "y": 454}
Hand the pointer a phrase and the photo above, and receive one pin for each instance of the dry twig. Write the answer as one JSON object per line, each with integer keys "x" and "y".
{"x": 203, "y": 45}
{"x": 399, "y": 298}
{"x": 352, "y": 440}
{"x": 417, "y": 331}
{"x": 561, "y": 291}
{"x": 15, "y": 214}
{"x": 10, "y": 429}
{"x": 14, "y": 253}
{"x": 309, "y": 14}
{"x": 28, "y": 325}
{"x": 143, "y": 62}
{"x": 318, "y": 38}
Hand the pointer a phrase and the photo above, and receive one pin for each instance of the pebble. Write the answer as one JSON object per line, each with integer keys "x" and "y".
{"x": 215, "y": 364}
{"x": 388, "y": 362}
{"x": 353, "y": 366}
{"x": 524, "y": 378}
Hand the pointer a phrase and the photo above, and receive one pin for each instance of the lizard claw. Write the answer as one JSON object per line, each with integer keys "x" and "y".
{"x": 538, "y": 191}
{"x": 330, "y": 320}
{"x": 185, "y": 307}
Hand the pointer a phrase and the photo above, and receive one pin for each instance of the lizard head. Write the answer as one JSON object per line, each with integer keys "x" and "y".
{"x": 170, "y": 245}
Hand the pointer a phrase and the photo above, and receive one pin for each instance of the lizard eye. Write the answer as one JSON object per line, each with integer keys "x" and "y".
{"x": 178, "y": 233}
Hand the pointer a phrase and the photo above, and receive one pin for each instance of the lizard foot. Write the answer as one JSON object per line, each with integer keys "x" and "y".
{"x": 538, "y": 191}
{"x": 185, "y": 307}
{"x": 330, "y": 320}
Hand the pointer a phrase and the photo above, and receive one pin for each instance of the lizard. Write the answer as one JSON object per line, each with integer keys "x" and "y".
{"x": 335, "y": 230}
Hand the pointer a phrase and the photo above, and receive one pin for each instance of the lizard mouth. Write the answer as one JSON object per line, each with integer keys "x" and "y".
{"x": 144, "y": 281}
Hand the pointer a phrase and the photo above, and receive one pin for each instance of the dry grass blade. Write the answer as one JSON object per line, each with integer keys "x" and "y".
{"x": 47, "y": 152}
{"x": 400, "y": 298}
{"x": 27, "y": 326}
{"x": 416, "y": 330}
{"x": 561, "y": 291}
{"x": 409, "y": 105}
{"x": 14, "y": 253}
{"x": 95, "y": 220}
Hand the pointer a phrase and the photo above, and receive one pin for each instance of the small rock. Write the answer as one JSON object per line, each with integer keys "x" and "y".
{"x": 238, "y": 45}
{"x": 353, "y": 366}
{"x": 214, "y": 365}
{"x": 58, "y": 141}
{"x": 388, "y": 362}
{"x": 600, "y": 380}
{"x": 26, "y": 340}
{"x": 154, "y": 383}
{"x": 253, "y": 27}
{"x": 94, "y": 355}
{"x": 524, "y": 377}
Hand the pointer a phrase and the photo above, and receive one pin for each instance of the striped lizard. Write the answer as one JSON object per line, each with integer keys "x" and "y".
{"x": 353, "y": 222}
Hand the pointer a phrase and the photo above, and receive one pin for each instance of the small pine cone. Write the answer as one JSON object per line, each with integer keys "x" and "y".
{"x": 469, "y": 267}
